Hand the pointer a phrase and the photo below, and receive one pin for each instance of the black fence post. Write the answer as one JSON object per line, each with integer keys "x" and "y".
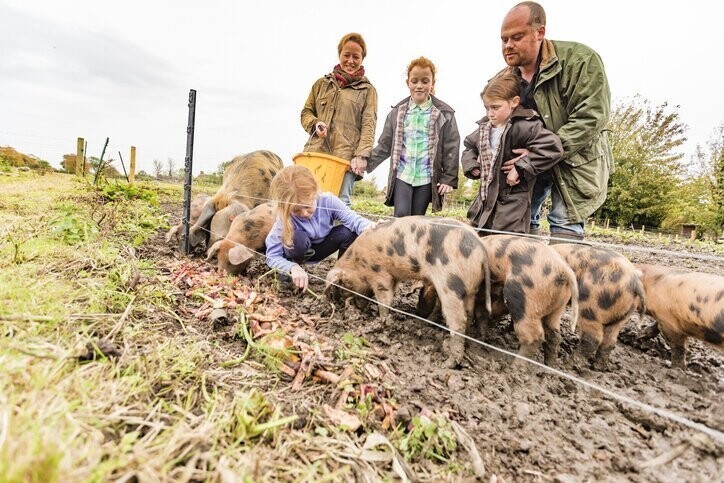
{"x": 188, "y": 165}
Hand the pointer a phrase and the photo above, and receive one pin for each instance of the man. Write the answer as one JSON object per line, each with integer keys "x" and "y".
{"x": 566, "y": 83}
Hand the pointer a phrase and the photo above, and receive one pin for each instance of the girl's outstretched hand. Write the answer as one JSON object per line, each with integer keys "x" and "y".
{"x": 300, "y": 277}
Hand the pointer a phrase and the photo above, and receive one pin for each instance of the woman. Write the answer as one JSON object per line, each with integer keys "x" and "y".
{"x": 341, "y": 112}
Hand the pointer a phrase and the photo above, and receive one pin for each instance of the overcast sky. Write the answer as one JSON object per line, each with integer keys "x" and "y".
{"x": 123, "y": 69}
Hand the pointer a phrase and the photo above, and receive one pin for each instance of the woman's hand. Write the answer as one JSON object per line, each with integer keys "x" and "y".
{"x": 443, "y": 189}
{"x": 358, "y": 165}
{"x": 475, "y": 172}
{"x": 321, "y": 129}
{"x": 300, "y": 277}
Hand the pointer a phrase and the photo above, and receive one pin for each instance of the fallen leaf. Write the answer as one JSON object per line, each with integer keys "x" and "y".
{"x": 346, "y": 421}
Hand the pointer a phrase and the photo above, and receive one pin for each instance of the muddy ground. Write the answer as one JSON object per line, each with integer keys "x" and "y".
{"x": 530, "y": 425}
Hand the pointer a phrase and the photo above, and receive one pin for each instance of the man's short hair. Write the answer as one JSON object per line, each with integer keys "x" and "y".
{"x": 537, "y": 13}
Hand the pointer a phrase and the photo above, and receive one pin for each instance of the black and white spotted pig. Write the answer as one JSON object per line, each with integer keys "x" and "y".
{"x": 609, "y": 291}
{"x": 443, "y": 253}
{"x": 684, "y": 304}
{"x": 536, "y": 287}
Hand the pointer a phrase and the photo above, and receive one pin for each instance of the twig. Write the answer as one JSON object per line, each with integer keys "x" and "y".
{"x": 121, "y": 321}
{"x": 26, "y": 317}
{"x": 668, "y": 457}
{"x": 30, "y": 353}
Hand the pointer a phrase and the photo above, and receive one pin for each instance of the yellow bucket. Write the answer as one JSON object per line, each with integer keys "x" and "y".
{"x": 327, "y": 169}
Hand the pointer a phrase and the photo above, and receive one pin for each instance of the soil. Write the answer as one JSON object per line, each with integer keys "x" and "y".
{"x": 530, "y": 425}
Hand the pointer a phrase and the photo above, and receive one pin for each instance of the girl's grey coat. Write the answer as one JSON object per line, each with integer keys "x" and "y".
{"x": 507, "y": 208}
{"x": 444, "y": 149}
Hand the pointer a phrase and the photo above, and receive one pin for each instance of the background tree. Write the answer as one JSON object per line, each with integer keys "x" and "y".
{"x": 171, "y": 167}
{"x": 157, "y": 168}
{"x": 644, "y": 140}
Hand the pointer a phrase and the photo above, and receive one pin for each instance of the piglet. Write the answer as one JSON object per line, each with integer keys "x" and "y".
{"x": 445, "y": 254}
{"x": 684, "y": 304}
{"x": 609, "y": 291}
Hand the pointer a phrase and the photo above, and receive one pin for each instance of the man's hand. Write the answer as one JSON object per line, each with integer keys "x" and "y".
{"x": 300, "y": 277}
{"x": 475, "y": 172}
{"x": 508, "y": 165}
{"x": 321, "y": 129}
{"x": 512, "y": 179}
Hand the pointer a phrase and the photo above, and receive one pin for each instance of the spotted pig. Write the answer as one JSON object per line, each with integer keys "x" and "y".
{"x": 684, "y": 304}
{"x": 175, "y": 234}
{"x": 609, "y": 291}
{"x": 444, "y": 253}
{"x": 221, "y": 222}
{"x": 246, "y": 180}
{"x": 246, "y": 236}
{"x": 536, "y": 287}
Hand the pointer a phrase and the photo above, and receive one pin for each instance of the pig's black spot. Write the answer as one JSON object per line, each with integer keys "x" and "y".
{"x": 615, "y": 275}
{"x": 467, "y": 244}
{"x": 681, "y": 283}
{"x": 262, "y": 173}
{"x": 414, "y": 265}
{"x": 561, "y": 279}
{"x": 583, "y": 291}
{"x": 706, "y": 300}
{"x": 588, "y": 314}
{"x": 375, "y": 268}
{"x": 698, "y": 298}
{"x": 456, "y": 284}
{"x": 436, "y": 247}
{"x": 399, "y": 245}
{"x": 514, "y": 296}
{"x": 520, "y": 260}
{"x": 390, "y": 251}
{"x": 379, "y": 248}
{"x": 503, "y": 247}
{"x": 603, "y": 256}
{"x": 715, "y": 333}
{"x": 382, "y": 288}
{"x": 420, "y": 232}
{"x": 606, "y": 299}
{"x": 695, "y": 310}
{"x": 595, "y": 272}
{"x": 547, "y": 269}
{"x": 634, "y": 285}
{"x": 413, "y": 228}
{"x": 656, "y": 278}
{"x": 527, "y": 281}
{"x": 719, "y": 295}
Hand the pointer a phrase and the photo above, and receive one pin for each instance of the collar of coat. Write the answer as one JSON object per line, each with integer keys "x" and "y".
{"x": 363, "y": 83}
{"x": 435, "y": 102}
{"x": 519, "y": 113}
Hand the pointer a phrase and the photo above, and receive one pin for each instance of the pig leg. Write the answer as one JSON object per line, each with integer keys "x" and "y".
{"x": 677, "y": 342}
{"x": 591, "y": 337}
{"x": 530, "y": 335}
{"x": 552, "y": 328}
{"x": 427, "y": 301}
{"x": 610, "y": 335}
{"x": 453, "y": 310}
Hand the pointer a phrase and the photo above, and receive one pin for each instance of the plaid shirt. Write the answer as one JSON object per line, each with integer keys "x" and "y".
{"x": 415, "y": 165}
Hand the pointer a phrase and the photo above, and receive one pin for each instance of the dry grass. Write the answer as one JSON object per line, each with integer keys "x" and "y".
{"x": 111, "y": 373}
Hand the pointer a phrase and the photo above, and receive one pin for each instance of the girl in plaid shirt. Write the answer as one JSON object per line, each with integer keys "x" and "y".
{"x": 422, "y": 141}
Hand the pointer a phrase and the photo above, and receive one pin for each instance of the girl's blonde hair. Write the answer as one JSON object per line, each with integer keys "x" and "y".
{"x": 422, "y": 62}
{"x": 291, "y": 185}
{"x": 504, "y": 87}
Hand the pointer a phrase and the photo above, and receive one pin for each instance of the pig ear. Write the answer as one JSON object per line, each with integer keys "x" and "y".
{"x": 213, "y": 250}
{"x": 239, "y": 254}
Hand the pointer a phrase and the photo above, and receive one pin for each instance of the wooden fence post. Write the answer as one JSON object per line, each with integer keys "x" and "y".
{"x": 607, "y": 223}
{"x": 80, "y": 157}
{"x": 132, "y": 167}
{"x": 643, "y": 228}
{"x": 693, "y": 234}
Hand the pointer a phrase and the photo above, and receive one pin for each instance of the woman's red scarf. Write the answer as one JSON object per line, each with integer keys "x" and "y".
{"x": 345, "y": 79}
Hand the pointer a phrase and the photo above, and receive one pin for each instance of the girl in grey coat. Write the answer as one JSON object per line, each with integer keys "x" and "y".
{"x": 503, "y": 201}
